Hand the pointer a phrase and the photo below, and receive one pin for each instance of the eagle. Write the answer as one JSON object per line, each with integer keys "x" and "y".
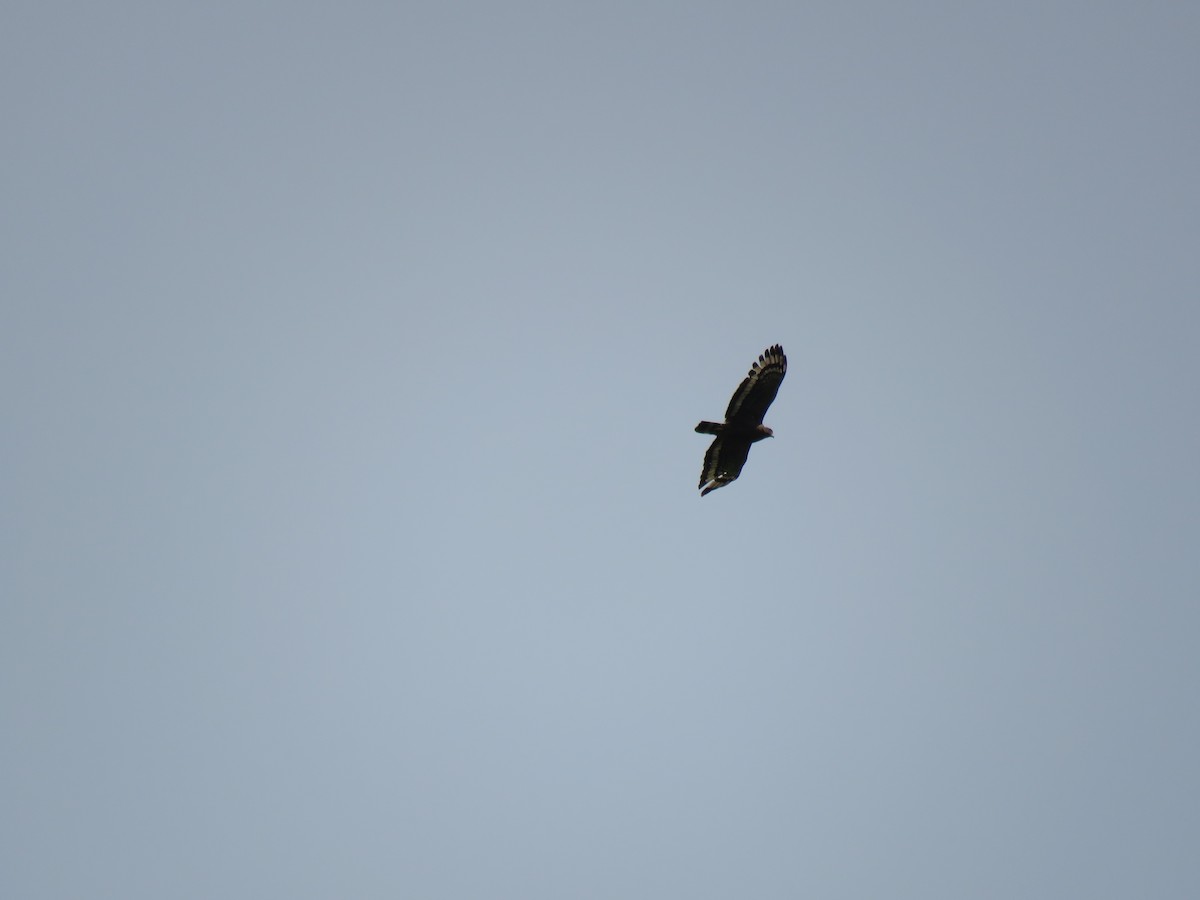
{"x": 743, "y": 421}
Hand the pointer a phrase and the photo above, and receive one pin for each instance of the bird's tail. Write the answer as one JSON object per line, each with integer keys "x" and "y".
{"x": 710, "y": 428}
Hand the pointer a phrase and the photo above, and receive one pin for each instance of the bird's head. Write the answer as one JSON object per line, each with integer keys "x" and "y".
{"x": 766, "y": 432}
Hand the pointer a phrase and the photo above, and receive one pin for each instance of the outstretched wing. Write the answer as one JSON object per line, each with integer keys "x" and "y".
{"x": 723, "y": 462}
{"x": 750, "y": 401}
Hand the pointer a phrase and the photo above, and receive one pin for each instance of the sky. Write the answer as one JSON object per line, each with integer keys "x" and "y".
{"x": 351, "y": 543}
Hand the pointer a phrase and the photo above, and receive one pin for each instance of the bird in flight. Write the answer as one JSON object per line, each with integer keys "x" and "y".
{"x": 743, "y": 421}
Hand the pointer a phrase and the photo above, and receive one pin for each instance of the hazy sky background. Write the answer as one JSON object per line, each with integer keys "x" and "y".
{"x": 351, "y": 540}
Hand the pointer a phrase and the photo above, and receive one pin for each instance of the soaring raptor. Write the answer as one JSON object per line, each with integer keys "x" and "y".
{"x": 743, "y": 421}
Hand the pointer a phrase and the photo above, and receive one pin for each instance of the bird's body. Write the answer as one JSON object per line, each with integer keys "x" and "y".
{"x": 743, "y": 421}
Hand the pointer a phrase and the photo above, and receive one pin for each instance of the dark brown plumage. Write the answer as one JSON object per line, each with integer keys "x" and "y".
{"x": 743, "y": 421}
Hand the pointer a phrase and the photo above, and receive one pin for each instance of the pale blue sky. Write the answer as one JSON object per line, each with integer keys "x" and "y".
{"x": 351, "y": 539}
